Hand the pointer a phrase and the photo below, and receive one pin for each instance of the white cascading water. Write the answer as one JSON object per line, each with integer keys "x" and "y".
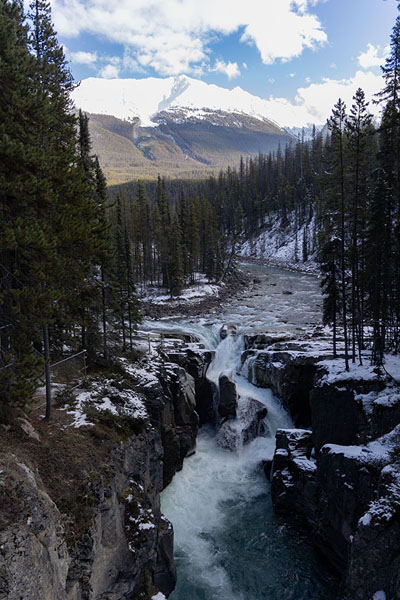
{"x": 229, "y": 545}
{"x": 196, "y": 500}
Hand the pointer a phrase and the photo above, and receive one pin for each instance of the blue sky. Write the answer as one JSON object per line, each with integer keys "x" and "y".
{"x": 302, "y": 52}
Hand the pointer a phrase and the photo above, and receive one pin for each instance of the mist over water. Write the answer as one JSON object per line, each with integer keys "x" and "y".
{"x": 229, "y": 544}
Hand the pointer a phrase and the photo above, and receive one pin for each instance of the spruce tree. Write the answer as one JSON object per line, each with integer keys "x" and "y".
{"x": 336, "y": 125}
{"x": 359, "y": 132}
{"x": 20, "y": 233}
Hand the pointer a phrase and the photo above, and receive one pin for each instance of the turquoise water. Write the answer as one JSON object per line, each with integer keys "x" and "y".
{"x": 229, "y": 544}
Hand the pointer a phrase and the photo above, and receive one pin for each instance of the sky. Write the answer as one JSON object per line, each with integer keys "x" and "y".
{"x": 301, "y": 55}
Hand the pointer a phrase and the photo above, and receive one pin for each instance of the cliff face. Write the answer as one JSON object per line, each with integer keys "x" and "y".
{"x": 80, "y": 497}
{"x": 340, "y": 477}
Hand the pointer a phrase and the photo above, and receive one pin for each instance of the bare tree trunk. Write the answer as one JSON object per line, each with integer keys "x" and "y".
{"x": 47, "y": 370}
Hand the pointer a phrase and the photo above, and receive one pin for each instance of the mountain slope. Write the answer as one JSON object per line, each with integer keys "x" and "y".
{"x": 179, "y": 127}
{"x": 144, "y": 99}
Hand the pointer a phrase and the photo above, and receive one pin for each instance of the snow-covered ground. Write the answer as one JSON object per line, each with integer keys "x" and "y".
{"x": 193, "y": 293}
{"x": 281, "y": 246}
{"x": 104, "y": 396}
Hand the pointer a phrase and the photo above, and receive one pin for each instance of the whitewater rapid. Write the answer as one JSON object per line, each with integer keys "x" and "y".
{"x": 229, "y": 544}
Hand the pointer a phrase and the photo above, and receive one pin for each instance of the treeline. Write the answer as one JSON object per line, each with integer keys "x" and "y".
{"x": 172, "y": 232}
{"x": 60, "y": 285}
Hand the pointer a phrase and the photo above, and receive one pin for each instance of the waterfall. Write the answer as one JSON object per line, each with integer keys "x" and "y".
{"x": 229, "y": 545}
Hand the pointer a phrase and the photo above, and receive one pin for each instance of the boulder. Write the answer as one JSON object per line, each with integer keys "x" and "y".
{"x": 228, "y": 396}
{"x": 227, "y": 329}
{"x": 232, "y": 434}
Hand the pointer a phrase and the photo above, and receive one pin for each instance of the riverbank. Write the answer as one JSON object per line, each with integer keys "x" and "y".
{"x": 309, "y": 267}
{"x": 197, "y": 302}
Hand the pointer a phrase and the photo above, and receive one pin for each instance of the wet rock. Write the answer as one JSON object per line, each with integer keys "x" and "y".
{"x": 196, "y": 362}
{"x": 290, "y": 374}
{"x": 228, "y": 329}
{"x": 232, "y": 434}
{"x": 171, "y": 403}
{"x": 253, "y": 417}
{"x": 228, "y": 397}
{"x": 267, "y": 466}
{"x": 294, "y": 486}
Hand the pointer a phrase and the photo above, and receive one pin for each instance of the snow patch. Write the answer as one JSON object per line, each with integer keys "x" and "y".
{"x": 108, "y": 398}
{"x": 283, "y": 245}
{"x": 379, "y": 595}
{"x": 199, "y": 290}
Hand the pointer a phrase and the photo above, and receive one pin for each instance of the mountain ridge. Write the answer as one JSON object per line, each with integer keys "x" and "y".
{"x": 128, "y": 99}
{"x": 179, "y": 127}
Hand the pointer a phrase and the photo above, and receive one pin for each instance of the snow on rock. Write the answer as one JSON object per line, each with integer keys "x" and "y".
{"x": 379, "y": 450}
{"x": 387, "y": 505}
{"x": 335, "y": 372}
{"x": 161, "y": 596}
{"x": 145, "y": 376}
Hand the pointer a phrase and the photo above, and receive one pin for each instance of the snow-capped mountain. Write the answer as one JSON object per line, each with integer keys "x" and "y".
{"x": 144, "y": 99}
{"x": 179, "y": 126}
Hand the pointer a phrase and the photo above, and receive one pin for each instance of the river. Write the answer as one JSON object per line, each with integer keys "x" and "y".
{"x": 229, "y": 544}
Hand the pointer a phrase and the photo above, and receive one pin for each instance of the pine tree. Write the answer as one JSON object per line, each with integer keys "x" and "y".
{"x": 359, "y": 132}
{"x": 336, "y": 125}
{"x": 20, "y": 233}
{"x": 330, "y": 285}
{"x": 175, "y": 269}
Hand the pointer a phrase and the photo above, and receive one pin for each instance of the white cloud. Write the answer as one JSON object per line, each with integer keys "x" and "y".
{"x": 373, "y": 57}
{"x": 173, "y": 36}
{"x": 83, "y": 58}
{"x": 313, "y": 104}
{"x": 109, "y": 71}
{"x": 231, "y": 70}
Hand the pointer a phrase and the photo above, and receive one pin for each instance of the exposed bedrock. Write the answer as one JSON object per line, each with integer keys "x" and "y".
{"x": 124, "y": 548}
{"x": 289, "y": 375}
{"x": 293, "y": 481}
{"x": 196, "y": 362}
{"x": 342, "y": 479}
{"x": 108, "y": 540}
{"x": 227, "y": 397}
{"x": 341, "y": 413}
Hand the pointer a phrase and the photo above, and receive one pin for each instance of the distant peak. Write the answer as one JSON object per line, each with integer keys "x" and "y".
{"x": 145, "y": 98}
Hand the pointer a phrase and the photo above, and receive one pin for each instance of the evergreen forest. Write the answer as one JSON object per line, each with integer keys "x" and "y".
{"x": 74, "y": 254}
